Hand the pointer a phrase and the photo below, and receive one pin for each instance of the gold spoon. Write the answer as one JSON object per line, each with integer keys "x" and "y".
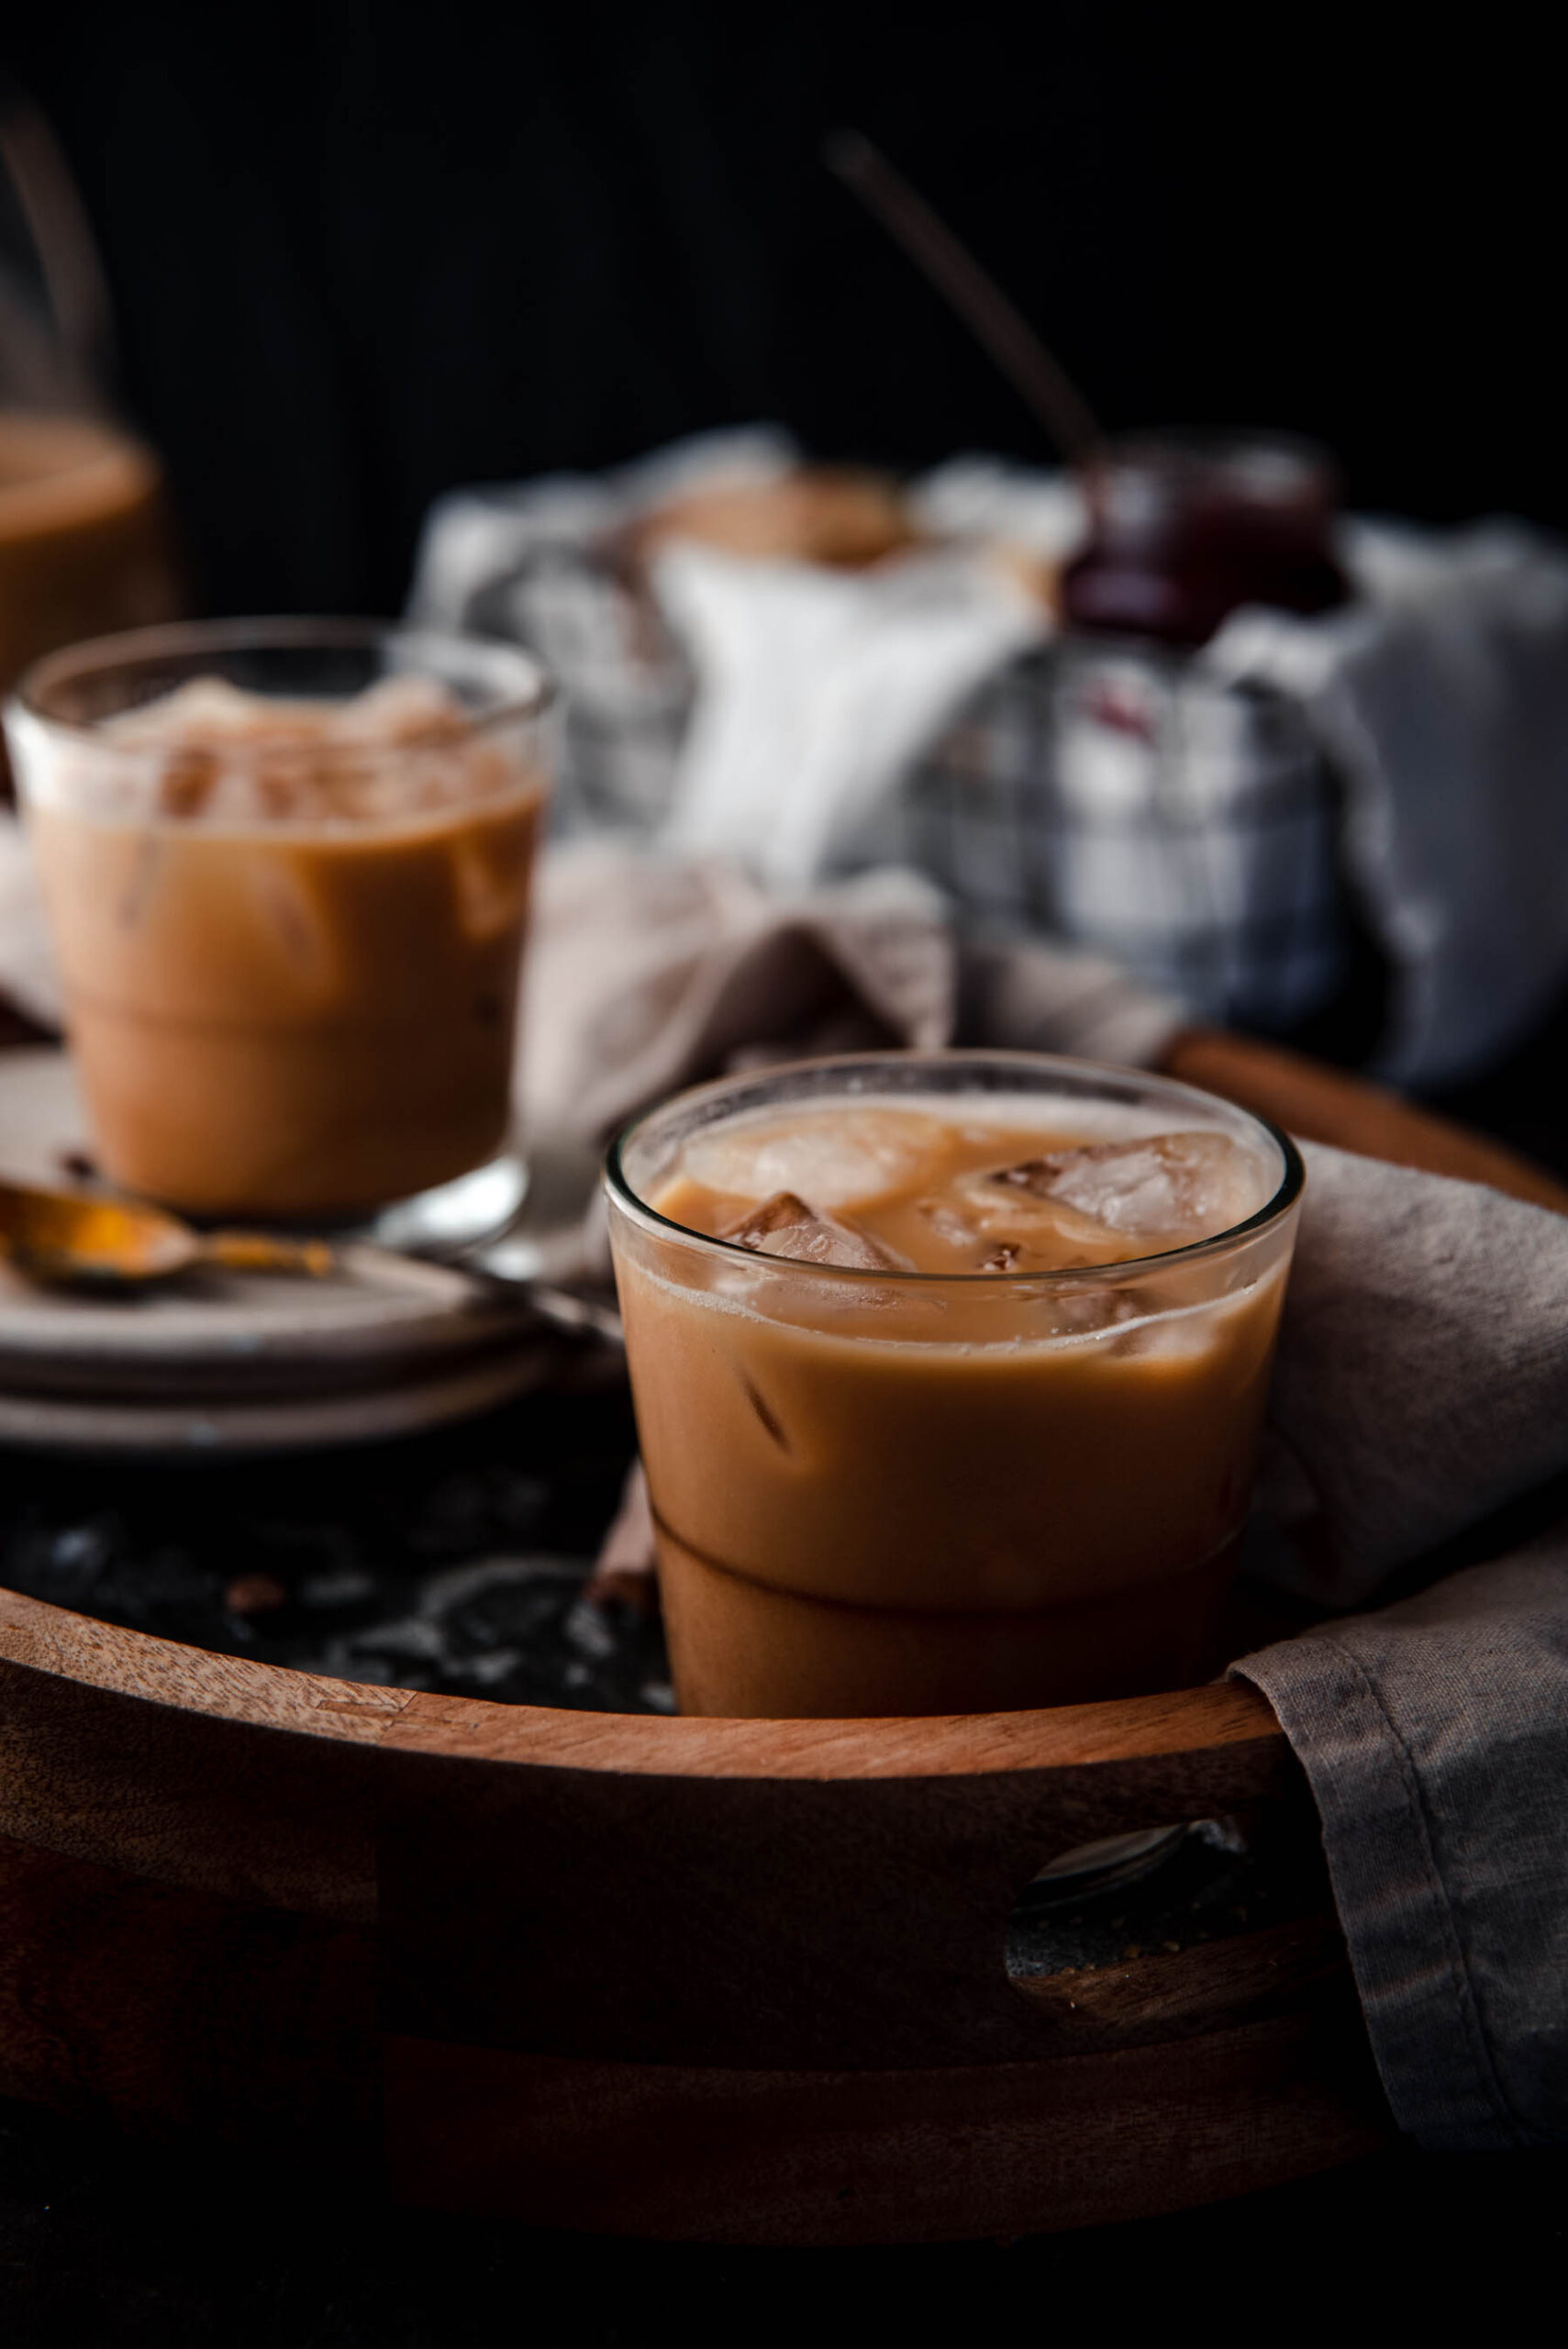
{"x": 75, "y": 1239}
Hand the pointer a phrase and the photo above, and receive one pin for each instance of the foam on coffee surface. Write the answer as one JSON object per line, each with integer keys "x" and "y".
{"x": 209, "y": 752}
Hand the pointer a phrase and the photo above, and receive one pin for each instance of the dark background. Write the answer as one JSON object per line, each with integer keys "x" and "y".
{"x": 362, "y": 253}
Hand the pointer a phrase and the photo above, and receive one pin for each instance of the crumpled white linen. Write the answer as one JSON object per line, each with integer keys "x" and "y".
{"x": 1440, "y": 696}
{"x": 820, "y": 689}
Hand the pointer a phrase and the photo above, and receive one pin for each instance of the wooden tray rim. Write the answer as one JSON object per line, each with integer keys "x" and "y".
{"x": 39, "y": 1636}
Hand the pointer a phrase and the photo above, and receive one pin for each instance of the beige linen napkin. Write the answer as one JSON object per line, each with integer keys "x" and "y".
{"x": 645, "y": 973}
{"x": 1418, "y": 1421}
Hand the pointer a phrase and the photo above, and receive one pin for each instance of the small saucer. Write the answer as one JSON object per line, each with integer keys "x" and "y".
{"x": 222, "y": 1361}
{"x": 212, "y": 1430}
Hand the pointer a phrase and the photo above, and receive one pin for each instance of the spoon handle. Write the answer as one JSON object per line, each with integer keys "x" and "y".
{"x": 260, "y": 1252}
{"x": 579, "y": 1317}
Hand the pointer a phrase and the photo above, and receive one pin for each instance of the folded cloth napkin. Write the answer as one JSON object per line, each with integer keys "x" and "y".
{"x": 1434, "y": 1735}
{"x": 1422, "y": 1385}
{"x": 1440, "y": 700}
{"x": 645, "y": 973}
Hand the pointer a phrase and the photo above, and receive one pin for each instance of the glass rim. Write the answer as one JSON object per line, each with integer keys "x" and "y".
{"x": 1264, "y": 456}
{"x": 174, "y": 639}
{"x": 1286, "y": 1196}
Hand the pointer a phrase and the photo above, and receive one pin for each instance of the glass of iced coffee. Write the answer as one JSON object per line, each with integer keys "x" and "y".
{"x": 84, "y": 539}
{"x": 948, "y": 1372}
{"x": 287, "y": 868}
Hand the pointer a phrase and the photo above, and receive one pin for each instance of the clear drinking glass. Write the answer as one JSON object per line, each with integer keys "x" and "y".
{"x": 899, "y": 1493}
{"x": 85, "y": 540}
{"x": 291, "y": 958}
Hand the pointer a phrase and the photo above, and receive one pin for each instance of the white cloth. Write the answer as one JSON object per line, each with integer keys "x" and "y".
{"x": 1440, "y": 697}
{"x": 821, "y": 734}
{"x": 820, "y": 689}
{"x": 27, "y": 955}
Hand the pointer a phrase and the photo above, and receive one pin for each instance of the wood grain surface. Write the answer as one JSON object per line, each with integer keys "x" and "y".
{"x": 1317, "y": 1103}
{"x": 881, "y": 2157}
{"x": 741, "y": 1980}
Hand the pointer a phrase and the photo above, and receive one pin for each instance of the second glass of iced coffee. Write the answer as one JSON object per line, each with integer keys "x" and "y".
{"x": 286, "y": 866}
{"x": 949, "y": 1371}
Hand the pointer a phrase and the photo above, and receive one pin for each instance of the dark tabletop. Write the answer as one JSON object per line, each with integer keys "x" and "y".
{"x": 102, "y": 2243}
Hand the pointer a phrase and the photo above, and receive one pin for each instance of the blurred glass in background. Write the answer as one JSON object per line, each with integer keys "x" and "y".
{"x": 85, "y": 543}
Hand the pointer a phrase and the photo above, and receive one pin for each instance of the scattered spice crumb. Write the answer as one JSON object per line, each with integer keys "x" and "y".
{"x": 255, "y": 1595}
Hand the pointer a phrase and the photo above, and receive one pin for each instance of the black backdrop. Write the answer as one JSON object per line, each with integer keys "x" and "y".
{"x": 362, "y": 253}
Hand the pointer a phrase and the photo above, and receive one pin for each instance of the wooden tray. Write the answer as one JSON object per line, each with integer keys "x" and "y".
{"x": 725, "y": 1980}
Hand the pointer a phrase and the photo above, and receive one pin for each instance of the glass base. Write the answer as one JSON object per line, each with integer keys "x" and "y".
{"x": 456, "y": 1217}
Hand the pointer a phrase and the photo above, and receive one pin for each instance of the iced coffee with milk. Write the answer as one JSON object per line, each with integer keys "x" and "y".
{"x": 948, "y": 1372}
{"x": 288, "y": 884}
{"x": 84, "y": 539}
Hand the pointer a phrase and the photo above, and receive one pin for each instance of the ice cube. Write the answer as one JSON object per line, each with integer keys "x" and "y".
{"x": 833, "y": 1157}
{"x": 1182, "y": 1187}
{"x": 203, "y": 710}
{"x": 785, "y": 1226}
{"x": 956, "y": 1229}
{"x": 1089, "y": 1312}
{"x": 490, "y": 867}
